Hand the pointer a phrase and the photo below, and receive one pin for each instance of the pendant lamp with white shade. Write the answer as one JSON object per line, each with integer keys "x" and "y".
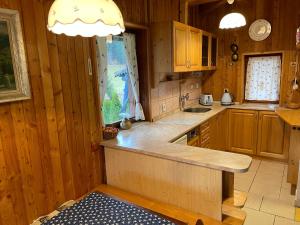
{"x": 86, "y": 18}
{"x": 232, "y": 20}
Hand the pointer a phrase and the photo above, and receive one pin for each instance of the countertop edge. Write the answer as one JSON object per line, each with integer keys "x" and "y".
{"x": 181, "y": 160}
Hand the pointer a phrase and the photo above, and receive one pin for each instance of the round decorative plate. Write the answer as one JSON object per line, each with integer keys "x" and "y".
{"x": 260, "y": 30}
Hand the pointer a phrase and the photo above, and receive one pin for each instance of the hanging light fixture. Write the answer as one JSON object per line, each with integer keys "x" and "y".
{"x": 86, "y": 18}
{"x": 232, "y": 20}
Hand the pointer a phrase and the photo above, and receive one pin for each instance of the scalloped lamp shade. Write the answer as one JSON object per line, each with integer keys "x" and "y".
{"x": 86, "y": 18}
{"x": 232, "y": 20}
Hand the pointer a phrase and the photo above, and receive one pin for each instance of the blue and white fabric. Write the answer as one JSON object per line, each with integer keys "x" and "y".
{"x": 100, "y": 209}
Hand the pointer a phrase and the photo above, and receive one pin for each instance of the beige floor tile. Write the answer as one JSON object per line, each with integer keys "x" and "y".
{"x": 268, "y": 179}
{"x": 253, "y": 201}
{"x": 265, "y": 190}
{"x": 284, "y": 221}
{"x": 277, "y": 207}
{"x": 242, "y": 184}
{"x": 255, "y": 217}
{"x": 285, "y": 195}
{"x": 271, "y": 167}
{"x": 285, "y": 169}
{"x": 272, "y": 164}
{"x": 254, "y": 165}
{"x": 248, "y": 175}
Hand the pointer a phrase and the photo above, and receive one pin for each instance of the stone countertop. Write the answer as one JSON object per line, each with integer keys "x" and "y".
{"x": 255, "y": 106}
{"x": 290, "y": 116}
{"x": 154, "y": 139}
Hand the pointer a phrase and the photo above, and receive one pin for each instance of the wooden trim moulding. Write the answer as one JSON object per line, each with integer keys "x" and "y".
{"x": 241, "y": 90}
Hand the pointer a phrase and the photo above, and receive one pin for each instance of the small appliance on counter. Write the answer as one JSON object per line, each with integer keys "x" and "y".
{"x": 227, "y": 98}
{"x": 206, "y": 99}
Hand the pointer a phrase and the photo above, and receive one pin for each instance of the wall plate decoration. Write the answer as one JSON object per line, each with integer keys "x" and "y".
{"x": 260, "y": 30}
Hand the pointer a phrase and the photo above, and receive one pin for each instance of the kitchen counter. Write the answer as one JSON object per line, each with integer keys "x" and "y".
{"x": 255, "y": 106}
{"x": 154, "y": 139}
{"x": 144, "y": 161}
{"x": 290, "y": 116}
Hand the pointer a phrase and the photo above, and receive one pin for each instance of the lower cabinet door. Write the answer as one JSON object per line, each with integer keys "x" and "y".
{"x": 272, "y": 141}
{"x": 243, "y": 131}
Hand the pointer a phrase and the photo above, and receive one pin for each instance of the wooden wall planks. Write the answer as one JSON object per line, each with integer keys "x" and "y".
{"x": 47, "y": 153}
{"x": 47, "y": 144}
{"x": 284, "y": 15}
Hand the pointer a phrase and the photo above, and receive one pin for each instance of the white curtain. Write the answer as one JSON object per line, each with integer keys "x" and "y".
{"x": 130, "y": 49}
{"x": 263, "y": 78}
{"x": 102, "y": 68}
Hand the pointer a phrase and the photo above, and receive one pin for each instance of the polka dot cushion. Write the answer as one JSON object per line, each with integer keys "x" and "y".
{"x": 98, "y": 209}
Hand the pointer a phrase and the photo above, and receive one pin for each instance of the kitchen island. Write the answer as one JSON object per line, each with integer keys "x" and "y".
{"x": 144, "y": 161}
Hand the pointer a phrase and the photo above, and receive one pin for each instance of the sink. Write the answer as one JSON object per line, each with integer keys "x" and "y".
{"x": 197, "y": 110}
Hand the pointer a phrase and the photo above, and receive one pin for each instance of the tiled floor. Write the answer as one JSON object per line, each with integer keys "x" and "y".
{"x": 269, "y": 201}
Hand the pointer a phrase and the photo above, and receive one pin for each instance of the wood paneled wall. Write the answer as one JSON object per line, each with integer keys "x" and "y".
{"x": 47, "y": 153}
{"x": 46, "y": 143}
{"x": 284, "y": 16}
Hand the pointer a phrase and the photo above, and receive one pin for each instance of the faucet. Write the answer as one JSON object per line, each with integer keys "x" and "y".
{"x": 183, "y": 100}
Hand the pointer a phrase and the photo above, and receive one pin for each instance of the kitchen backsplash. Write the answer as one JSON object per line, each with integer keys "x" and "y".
{"x": 165, "y": 98}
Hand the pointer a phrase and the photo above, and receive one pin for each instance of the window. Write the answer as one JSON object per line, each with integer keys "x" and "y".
{"x": 263, "y": 78}
{"x": 118, "y": 101}
{"x": 119, "y": 79}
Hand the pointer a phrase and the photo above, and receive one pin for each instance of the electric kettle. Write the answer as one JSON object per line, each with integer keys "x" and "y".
{"x": 227, "y": 98}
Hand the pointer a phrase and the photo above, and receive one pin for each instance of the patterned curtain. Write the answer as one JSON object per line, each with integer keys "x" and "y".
{"x": 263, "y": 78}
{"x": 130, "y": 49}
{"x": 102, "y": 68}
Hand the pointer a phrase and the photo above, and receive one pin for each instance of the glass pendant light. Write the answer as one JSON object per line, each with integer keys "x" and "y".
{"x": 232, "y": 20}
{"x": 86, "y": 18}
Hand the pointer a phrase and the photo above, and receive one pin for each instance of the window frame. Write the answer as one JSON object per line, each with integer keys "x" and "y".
{"x": 245, "y": 62}
{"x": 132, "y": 120}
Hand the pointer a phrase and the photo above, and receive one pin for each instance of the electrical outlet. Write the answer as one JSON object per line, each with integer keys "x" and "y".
{"x": 197, "y": 85}
{"x": 164, "y": 107}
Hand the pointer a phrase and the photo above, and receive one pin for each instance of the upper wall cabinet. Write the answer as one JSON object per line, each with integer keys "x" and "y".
{"x": 209, "y": 51}
{"x": 186, "y": 48}
{"x": 178, "y": 47}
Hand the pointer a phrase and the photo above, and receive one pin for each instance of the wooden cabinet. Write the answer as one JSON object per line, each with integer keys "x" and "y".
{"x": 272, "y": 141}
{"x": 178, "y": 47}
{"x": 219, "y": 131}
{"x": 209, "y": 51}
{"x": 186, "y": 48}
{"x": 213, "y": 52}
{"x": 205, "y": 135}
{"x": 194, "y": 142}
{"x": 194, "y": 49}
{"x": 243, "y": 131}
{"x": 205, "y": 50}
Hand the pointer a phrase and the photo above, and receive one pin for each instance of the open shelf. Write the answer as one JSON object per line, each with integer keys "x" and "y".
{"x": 238, "y": 200}
{"x": 233, "y": 213}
